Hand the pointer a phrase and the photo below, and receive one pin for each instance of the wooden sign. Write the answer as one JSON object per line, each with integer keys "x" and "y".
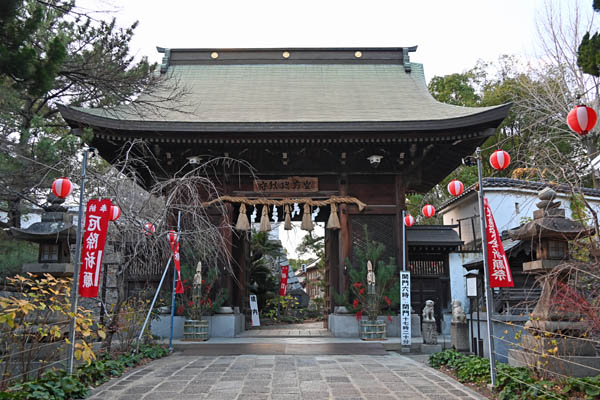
{"x": 291, "y": 184}
{"x": 405, "y": 328}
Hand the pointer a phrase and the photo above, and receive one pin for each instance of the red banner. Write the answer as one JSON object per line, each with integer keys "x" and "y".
{"x": 174, "y": 241}
{"x": 284, "y": 278}
{"x": 499, "y": 270}
{"x": 94, "y": 237}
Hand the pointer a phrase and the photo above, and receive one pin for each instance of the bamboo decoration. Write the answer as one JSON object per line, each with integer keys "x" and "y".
{"x": 242, "y": 222}
{"x": 307, "y": 223}
{"x": 334, "y": 221}
{"x": 265, "y": 224}
{"x": 287, "y": 225}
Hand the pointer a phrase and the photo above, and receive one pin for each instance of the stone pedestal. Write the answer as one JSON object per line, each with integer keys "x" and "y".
{"x": 429, "y": 332}
{"x": 430, "y": 348}
{"x": 459, "y": 336}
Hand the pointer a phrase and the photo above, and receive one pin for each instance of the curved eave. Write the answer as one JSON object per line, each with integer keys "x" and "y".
{"x": 77, "y": 117}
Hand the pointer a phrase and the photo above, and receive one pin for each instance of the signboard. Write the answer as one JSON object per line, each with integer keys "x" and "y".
{"x": 254, "y": 309}
{"x": 284, "y": 279}
{"x": 405, "y": 328}
{"x": 471, "y": 287}
{"x": 96, "y": 226}
{"x": 291, "y": 184}
{"x": 498, "y": 268}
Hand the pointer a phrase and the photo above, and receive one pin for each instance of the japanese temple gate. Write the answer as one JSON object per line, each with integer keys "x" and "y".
{"x": 309, "y": 122}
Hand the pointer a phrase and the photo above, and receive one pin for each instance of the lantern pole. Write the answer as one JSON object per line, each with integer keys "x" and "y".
{"x": 489, "y": 302}
{"x": 75, "y": 289}
{"x": 174, "y": 287}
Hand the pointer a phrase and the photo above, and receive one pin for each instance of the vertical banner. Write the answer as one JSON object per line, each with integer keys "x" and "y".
{"x": 284, "y": 278}
{"x": 94, "y": 236}
{"x": 254, "y": 309}
{"x": 174, "y": 242}
{"x": 405, "y": 328}
{"x": 499, "y": 270}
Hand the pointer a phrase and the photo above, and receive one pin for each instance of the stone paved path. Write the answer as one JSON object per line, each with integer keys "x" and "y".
{"x": 312, "y": 329}
{"x": 279, "y": 377}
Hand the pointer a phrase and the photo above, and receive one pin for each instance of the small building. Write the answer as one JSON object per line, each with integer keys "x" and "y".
{"x": 312, "y": 279}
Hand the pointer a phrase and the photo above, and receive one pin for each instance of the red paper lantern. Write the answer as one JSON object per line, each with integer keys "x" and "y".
{"x": 62, "y": 187}
{"x": 149, "y": 229}
{"x": 115, "y": 213}
{"x": 499, "y": 160}
{"x": 428, "y": 210}
{"x": 172, "y": 237}
{"x": 409, "y": 220}
{"x": 456, "y": 187}
{"x": 582, "y": 119}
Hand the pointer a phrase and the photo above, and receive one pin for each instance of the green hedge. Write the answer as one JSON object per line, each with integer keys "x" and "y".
{"x": 514, "y": 382}
{"x": 58, "y": 385}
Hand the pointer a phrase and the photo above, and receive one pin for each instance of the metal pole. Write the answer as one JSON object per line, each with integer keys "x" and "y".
{"x": 137, "y": 346}
{"x": 75, "y": 289}
{"x": 174, "y": 288}
{"x": 489, "y": 302}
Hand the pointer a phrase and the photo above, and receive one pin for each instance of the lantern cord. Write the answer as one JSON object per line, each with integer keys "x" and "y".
{"x": 304, "y": 200}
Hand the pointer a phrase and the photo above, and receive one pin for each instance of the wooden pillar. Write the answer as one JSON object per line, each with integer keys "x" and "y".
{"x": 345, "y": 235}
{"x": 400, "y": 200}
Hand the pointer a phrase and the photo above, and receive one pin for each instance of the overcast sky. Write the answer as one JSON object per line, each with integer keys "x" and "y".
{"x": 451, "y": 35}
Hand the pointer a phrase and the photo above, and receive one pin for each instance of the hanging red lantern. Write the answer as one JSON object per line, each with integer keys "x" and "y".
{"x": 428, "y": 210}
{"x": 456, "y": 187}
{"x": 149, "y": 229}
{"x": 582, "y": 119}
{"x": 115, "y": 213}
{"x": 62, "y": 187}
{"x": 409, "y": 220}
{"x": 500, "y": 160}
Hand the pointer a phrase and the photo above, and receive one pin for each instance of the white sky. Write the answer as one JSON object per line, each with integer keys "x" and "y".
{"x": 451, "y": 35}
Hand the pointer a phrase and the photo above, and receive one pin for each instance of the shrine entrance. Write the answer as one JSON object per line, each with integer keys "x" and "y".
{"x": 315, "y": 125}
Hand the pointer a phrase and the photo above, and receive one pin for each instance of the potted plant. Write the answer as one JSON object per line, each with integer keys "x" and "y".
{"x": 195, "y": 328}
{"x": 374, "y": 285}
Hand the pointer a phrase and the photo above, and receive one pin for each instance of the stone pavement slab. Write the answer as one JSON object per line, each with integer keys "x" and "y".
{"x": 272, "y": 377}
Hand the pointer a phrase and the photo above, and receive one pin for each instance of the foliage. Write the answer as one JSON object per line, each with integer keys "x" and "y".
{"x": 58, "y": 385}
{"x": 387, "y": 292}
{"x": 288, "y": 306}
{"x": 588, "y": 52}
{"x": 131, "y": 318}
{"x": 38, "y": 318}
{"x": 14, "y": 254}
{"x": 514, "y": 382}
{"x": 52, "y": 53}
{"x": 205, "y": 300}
{"x": 263, "y": 254}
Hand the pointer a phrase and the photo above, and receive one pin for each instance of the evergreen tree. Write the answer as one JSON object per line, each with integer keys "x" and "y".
{"x": 51, "y": 53}
{"x": 588, "y": 53}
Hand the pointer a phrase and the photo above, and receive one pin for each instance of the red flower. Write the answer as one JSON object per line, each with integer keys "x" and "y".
{"x": 359, "y": 315}
{"x": 191, "y": 303}
{"x": 210, "y": 302}
{"x": 387, "y": 300}
{"x": 389, "y": 318}
{"x": 179, "y": 310}
{"x": 203, "y": 281}
{"x": 362, "y": 291}
{"x": 355, "y": 303}
{"x": 357, "y": 285}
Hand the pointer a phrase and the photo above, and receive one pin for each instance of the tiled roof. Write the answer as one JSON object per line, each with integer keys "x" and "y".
{"x": 303, "y": 92}
{"x": 432, "y": 235}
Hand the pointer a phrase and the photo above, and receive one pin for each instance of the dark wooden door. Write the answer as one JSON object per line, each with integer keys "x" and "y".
{"x": 423, "y": 289}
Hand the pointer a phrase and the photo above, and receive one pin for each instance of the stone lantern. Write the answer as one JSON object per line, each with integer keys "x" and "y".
{"x": 554, "y": 338}
{"x": 54, "y": 234}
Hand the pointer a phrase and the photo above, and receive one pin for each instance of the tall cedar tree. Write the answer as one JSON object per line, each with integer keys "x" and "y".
{"x": 50, "y": 53}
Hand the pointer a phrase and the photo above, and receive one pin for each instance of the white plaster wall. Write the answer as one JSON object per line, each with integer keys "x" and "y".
{"x": 458, "y": 284}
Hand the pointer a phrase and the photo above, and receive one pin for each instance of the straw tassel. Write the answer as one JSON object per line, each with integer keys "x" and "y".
{"x": 334, "y": 221}
{"x": 265, "y": 224}
{"x": 287, "y": 224}
{"x": 307, "y": 224}
{"x": 242, "y": 223}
